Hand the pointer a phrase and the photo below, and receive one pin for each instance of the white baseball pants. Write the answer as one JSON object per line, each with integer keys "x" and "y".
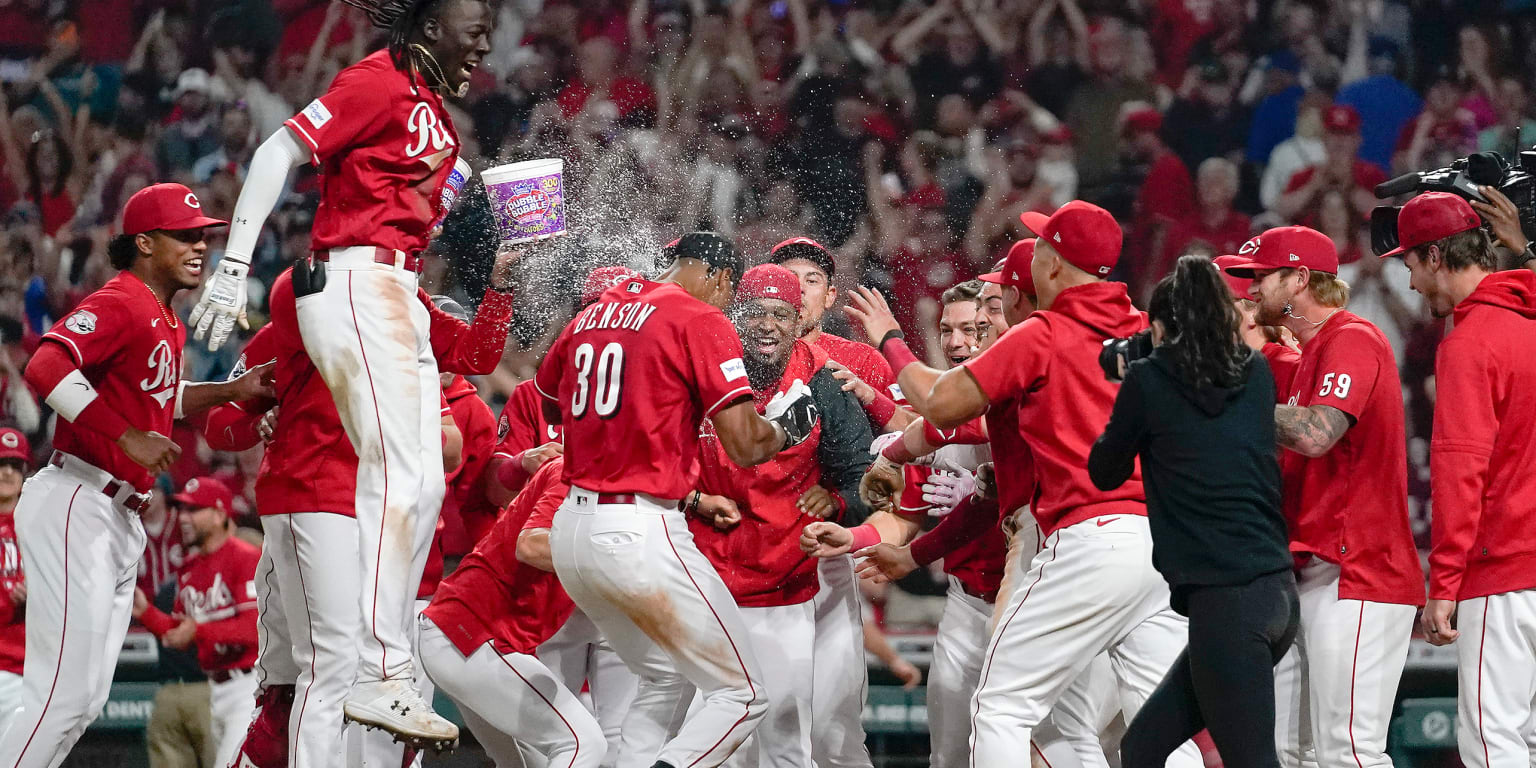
{"x": 1496, "y": 708}
{"x": 229, "y": 705}
{"x": 1090, "y": 589}
{"x": 367, "y": 333}
{"x": 511, "y": 698}
{"x": 578, "y": 653}
{"x": 957, "y": 654}
{"x": 307, "y": 626}
{"x": 634, "y": 570}
{"x": 1335, "y": 688}
{"x": 82, "y": 552}
{"x": 373, "y": 747}
{"x": 10, "y": 699}
{"x": 784, "y": 638}
{"x": 841, "y": 674}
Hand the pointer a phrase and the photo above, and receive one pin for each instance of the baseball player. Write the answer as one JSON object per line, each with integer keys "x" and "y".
{"x": 479, "y": 635}
{"x": 163, "y": 554}
{"x": 1345, "y": 497}
{"x": 1092, "y": 587}
{"x": 640, "y": 369}
{"x": 15, "y": 456}
{"x": 754, "y": 549}
{"x": 383, "y": 137}
{"x": 465, "y": 505}
{"x": 112, "y": 371}
{"x": 1482, "y": 566}
{"x": 215, "y": 609}
{"x": 1282, "y": 358}
{"x": 308, "y": 620}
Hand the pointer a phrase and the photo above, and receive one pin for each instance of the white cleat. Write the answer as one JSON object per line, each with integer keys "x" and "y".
{"x": 396, "y": 706}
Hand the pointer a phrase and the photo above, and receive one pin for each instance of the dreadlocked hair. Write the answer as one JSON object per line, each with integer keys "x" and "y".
{"x": 400, "y": 18}
{"x": 1200, "y": 324}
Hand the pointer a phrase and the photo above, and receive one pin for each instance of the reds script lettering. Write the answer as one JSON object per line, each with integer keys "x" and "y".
{"x": 628, "y": 316}
{"x": 423, "y": 123}
{"x": 212, "y": 604}
{"x": 162, "y": 374}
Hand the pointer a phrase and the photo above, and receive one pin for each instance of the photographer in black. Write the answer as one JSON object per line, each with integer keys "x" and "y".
{"x": 1199, "y": 411}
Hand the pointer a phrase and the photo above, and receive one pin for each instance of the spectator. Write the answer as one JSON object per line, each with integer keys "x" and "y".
{"x": 1093, "y": 112}
{"x": 1389, "y": 304}
{"x": 1058, "y": 54}
{"x": 1301, "y": 151}
{"x": 1214, "y": 222}
{"x": 237, "y": 142}
{"x": 1442, "y": 132}
{"x": 1165, "y": 193}
{"x": 1384, "y": 102}
{"x": 1274, "y": 117}
{"x": 1479, "y": 67}
{"x": 967, "y": 64}
{"x": 598, "y": 79}
{"x": 1516, "y": 129}
{"x": 1203, "y": 120}
{"x": 194, "y": 128}
{"x": 1341, "y": 169}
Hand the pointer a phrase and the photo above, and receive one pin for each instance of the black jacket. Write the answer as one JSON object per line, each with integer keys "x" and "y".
{"x": 1209, "y": 461}
{"x": 845, "y": 439}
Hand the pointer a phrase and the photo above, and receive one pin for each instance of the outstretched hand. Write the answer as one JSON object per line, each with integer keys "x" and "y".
{"x": 869, "y": 309}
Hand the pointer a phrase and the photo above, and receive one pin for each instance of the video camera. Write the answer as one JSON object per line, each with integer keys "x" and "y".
{"x": 1463, "y": 177}
{"x": 1118, "y": 354}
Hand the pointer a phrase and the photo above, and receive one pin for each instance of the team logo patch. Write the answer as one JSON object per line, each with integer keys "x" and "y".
{"x": 733, "y": 369}
{"x": 503, "y": 427}
{"x": 634, "y": 287}
{"x": 81, "y": 322}
{"x": 238, "y": 370}
{"x": 317, "y": 114}
{"x": 191, "y": 201}
{"x": 1294, "y": 257}
{"x": 1103, "y": 270}
{"x": 1251, "y": 246}
{"x": 9, "y": 440}
{"x": 895, "y": 390}
{"x": 192, "y": 485}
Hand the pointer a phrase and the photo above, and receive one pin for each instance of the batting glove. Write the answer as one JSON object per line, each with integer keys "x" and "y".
{"x": 223, "y": 301}
{"x": 881, "y": 441}
{"x": 795, "y": 411}
{"x": 945, "y": 489}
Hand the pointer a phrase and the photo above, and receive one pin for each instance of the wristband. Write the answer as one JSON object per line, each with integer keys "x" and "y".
{"x": 894, "y": 333}
{"x": 897, "y": 452}
{"x": 898, "y": 354}
{"x": 864, "y": 536}
{"x": 882, "y": 409}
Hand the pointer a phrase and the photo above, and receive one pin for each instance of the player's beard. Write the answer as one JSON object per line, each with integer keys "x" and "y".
{"x": 763, "y": 374}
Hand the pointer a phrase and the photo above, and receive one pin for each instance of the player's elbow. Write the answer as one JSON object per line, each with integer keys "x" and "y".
{"x": 533, "y": 549}
{"x": 954, "y": 400}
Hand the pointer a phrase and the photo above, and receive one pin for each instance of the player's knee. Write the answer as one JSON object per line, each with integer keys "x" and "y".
{"x": 591, "y": 745}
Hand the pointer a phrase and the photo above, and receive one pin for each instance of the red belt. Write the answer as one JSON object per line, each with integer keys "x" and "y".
{"x": 225, "y": 675}
{"x": 380, "y": 255}
{"x": 615, "y": 498}
{"x": 134, "y": 503}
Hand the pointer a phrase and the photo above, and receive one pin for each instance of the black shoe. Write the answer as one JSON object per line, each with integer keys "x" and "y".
{"x": 662, "y": 764}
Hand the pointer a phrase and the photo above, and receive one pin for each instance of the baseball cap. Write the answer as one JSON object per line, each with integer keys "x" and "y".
{"x": 1014, "y": 268}
{"x": 770, "y": 281}
{"x": 200, "y": 492}
{"x": 1238, "y": 285}
{"x": 1431, "y": 216}
{"x": 712, "y": 248}
{"x": 13, "y": 445}
{"x": 601, "y": 279}
{"x": 1341, "y": 118}
{"x": 1286, "y": 247}
{"x": 1141, "y": 119}
{"x": 1085, "y": 235}
{"x": 193, "y": 79}
{"x": 803, "y": 248}
{"x": 165, "y": 206}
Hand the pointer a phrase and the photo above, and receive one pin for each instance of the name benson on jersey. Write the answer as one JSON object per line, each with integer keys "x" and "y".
{"x": 604, "y": 315}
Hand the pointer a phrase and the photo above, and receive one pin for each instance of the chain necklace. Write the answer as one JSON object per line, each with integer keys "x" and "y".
{"x": 170, "y": 319}
{"x": 429, "y": 65}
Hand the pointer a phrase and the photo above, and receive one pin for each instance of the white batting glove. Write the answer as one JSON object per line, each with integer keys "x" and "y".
{"x": 223, "y": 301}
{"x": 945, "y": 489}
{"x": 881, "y": 441}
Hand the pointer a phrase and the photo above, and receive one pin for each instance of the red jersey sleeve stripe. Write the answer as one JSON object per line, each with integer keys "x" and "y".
{"x": 545, "y": 395}
{"x": 314, "y": 146}
{"x": 732, "y": 395}
{"x": 74, "y": 351}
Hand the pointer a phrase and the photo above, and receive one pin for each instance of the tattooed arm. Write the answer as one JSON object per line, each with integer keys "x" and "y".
{"x": 1310, "y": 431}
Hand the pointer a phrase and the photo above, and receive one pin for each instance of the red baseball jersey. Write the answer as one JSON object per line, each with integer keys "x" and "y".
{"x": 492, "y": 597}
{"x": 634, "y": 375}
{"x": 310, "y": 465}
{"x": 865, "y": 361}
{"x": 1350, "y": 505}
{"x": 163, "y": 554}
{"x": 978, "y": 563}
{"x": 1046, "y": 370}
{"x": 466, "y": 502}
{"x": 1282, "y": 365}
{"x": 385, "y": 146}
{"x": 13, "y": 628}
{"x": 128, "y": 345}
{"x": 522, "y": 424}
{"x": 218, "y": 592}
{"x": 760, "y": 558}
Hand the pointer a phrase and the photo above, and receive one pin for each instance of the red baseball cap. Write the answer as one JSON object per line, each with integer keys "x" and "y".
{"x": 165, "y": 206}
{"x": 1014, "y": 268}
{"x": 1341, "y": 118}
{"x": 201, "y": 492}
{"x": 1239, "y": 285}
{"x": 601, "y": 279}
{"x": 1143, "y": 119}
{"x": 1083, "y": 233}
{"x": 1286, "y": 247}
{"x": 1431, "y": 216}
{"x": 770, "y": 281}
{"x": 13, "y": 445}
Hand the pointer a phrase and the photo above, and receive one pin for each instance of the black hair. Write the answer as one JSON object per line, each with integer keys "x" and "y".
{"x": 122, "y": 251}
{"x": 400, "y": 18}
{"x": 66, "y": 164}
{"x": 1464, "y": 250}
{"x": 1200, "y": 325}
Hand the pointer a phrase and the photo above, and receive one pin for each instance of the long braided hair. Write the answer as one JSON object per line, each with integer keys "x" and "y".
{"x": 401, "y": 18}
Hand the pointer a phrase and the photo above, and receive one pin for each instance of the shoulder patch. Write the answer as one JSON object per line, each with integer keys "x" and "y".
{"x": 733, "y": 369}
{"x": 81, "y": 322}
{"x": 239, "y": 369}
{"x": 317, "y": 114}
{"x": 503, "y": 426}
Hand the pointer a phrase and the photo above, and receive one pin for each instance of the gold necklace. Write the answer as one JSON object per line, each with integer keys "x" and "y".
{"x": 170, "y": 320}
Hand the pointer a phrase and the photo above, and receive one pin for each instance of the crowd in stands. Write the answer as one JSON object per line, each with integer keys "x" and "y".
{"x": 907, "y": 135}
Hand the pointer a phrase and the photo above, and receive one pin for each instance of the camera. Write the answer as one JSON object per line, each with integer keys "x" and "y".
{"x": 1118, "y": 354}
{"x": 1463, "y": 178}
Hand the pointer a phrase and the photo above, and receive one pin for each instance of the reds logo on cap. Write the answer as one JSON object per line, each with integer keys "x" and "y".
{"x": 192, "y": 485}
{"x": 1252, "y": 246}
{"x": 165, "y": 206}
{"x": 10, "y": 440}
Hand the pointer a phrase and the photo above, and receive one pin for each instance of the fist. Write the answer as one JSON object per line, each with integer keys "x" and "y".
{"x": 151, "y": 450}
{"x": 533, "y": 458}
{"x": 719, "y": 511}
{"x": 881, "y": 484}
{"x": 885, "y": 562}
{"x": 817, "y": 502}
{"x": 986, "y": 482}
{"x": 824, "y": 539}
{"x": 267, "y": 427}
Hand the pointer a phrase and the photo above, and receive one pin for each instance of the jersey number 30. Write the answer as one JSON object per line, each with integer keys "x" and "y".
{"x": 600, "y": 390}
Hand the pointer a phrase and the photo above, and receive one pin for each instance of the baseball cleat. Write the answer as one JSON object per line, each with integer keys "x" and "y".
{"x": 397, "y": 707}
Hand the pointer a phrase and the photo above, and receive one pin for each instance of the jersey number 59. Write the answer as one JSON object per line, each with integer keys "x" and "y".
{"x": 601, "y": 389}
{"x": 1336, "y": 385}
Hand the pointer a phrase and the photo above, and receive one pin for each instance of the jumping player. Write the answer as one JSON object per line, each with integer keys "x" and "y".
{"x": 384, "y": 139}
{"x": 1345, "y": 483}
{"x": 642, "y": 368}
{"x": 112, "y": 371}
{"x": 15, "y": 458}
